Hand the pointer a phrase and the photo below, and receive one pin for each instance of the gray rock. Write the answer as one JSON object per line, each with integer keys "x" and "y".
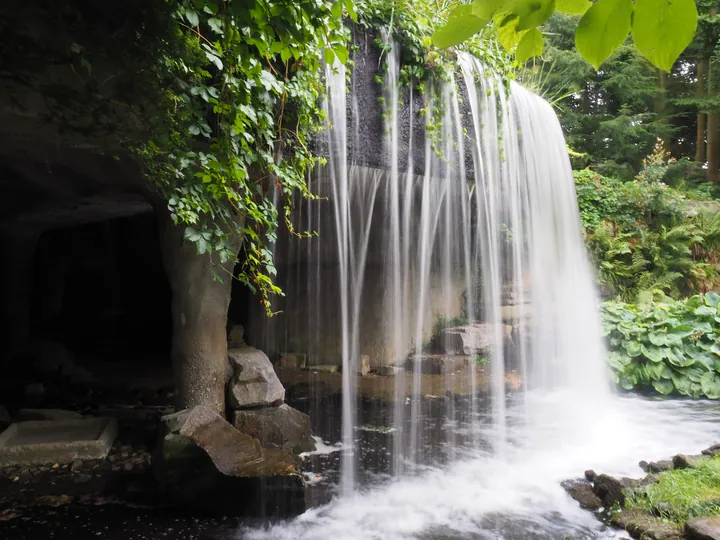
{"x": 76, "y": 465}
{"x": 683, "y": 461}
{"x": 202, "y": 461}
{"x": 590, "y": 475}
{"x": 583, "y": 493}
{"x": 641, "y": 524}
{"x": 660, "y": 466}
{"x": 254, "y": 382}
{"x": 611, "y": 490}
{"x": 364, "y": 367}
{"x": 55, "y": 415}
{"x": 703, "y": 528}
{"x": 438, "y": 364}
{"x": 280, "y": 427}
{"x": 386, "y": 371}
{"x": 713, "y": 451}
{"x": 473, "y": 338}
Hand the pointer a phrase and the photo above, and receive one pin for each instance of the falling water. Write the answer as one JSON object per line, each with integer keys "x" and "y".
{"x": 478, "y": 217}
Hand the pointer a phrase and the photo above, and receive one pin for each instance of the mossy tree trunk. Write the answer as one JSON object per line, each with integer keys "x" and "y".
{"x": 200, "y": 304}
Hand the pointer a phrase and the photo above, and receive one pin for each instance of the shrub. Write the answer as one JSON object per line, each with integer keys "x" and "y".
{"x": 670, "y": 347}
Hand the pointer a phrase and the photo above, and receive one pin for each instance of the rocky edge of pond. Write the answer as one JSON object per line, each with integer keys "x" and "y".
{"x": 605, "y": 495}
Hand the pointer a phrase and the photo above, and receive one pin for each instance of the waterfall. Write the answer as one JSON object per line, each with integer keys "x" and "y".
{"x": 490, "y": 229}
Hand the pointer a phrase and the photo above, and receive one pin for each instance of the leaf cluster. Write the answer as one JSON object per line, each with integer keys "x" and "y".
{"x": 671, "y": 348}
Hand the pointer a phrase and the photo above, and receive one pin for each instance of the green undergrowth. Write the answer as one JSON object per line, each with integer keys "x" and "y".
{"x": 670, "y": 347}
{"x": 681, "y": 494}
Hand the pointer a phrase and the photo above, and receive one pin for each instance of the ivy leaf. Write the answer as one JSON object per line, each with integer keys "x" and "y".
{"x": 532, "y": 13}
{"x": 603, "y": 29}
{"x": 507, "y": 32}
{"x": 530, "y": 45}
{"x": 329, "y": 55}
{"x": 573, "y": 7}
{"x": 462, "y": 24}
{"x": 192, "y": 17}
{"x": 662, "y": 29}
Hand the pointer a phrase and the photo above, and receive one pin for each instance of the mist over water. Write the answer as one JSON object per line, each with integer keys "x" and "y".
{"x": 491, "y": 223}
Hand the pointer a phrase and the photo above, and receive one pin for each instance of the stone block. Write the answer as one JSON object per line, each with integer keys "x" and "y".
{"x": 25, "y": 415}
{"x": 281, "y": 427}
{"x": 60, "y": 441}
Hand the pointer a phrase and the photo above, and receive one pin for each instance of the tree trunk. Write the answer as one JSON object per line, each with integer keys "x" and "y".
{"x": 17, "y": 276}
{"x": 199, "y": 313}
{"x": 700, "y": 140}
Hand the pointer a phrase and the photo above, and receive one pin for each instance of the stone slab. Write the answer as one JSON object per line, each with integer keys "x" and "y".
{"x": 703, "y": 528}
{"x": 59, "y": 441}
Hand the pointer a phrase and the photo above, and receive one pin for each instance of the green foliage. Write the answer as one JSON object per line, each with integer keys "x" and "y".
{"x": 681, "y": 494}
{"x": 669, "y": 347}
{"x": 662, "y": 28}
{"x": 641, "y": 235}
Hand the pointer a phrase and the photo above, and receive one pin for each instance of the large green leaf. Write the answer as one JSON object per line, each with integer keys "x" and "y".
{"x": 657, "y": 339}
{"x": 530, "y": 45}
{"x": 507, "y": 32}
{"x": 710, "y": 384}
{"x": 705, "y": 311}
{"x": 633, "y": 348}
{"x": 603, "y": 29}
{"x": 681, "y": 382}
{"x": 573, "y": 7}
{"x": 662, "y": 29}
{"x": 532, "y": 13}
{"x": 657, "y": 371}
{"x": 663, "y": 386}
{"x": 712, "y": 299}
{"x": 462, "y": 24}
{"x": 652, "y": 353}
{"x": 485, "y": 9}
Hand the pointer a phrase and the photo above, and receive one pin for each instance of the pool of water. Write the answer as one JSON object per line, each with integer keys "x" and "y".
{"x": 476, "y": 490}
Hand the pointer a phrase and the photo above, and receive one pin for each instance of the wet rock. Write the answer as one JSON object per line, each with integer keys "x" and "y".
{"x": 582, "y": 492}
{"x": 254, "y": 382}
{"x": 703, "y": 528}
{"x": 473, "y": 338}
{"x": 713, "y": 451}
{"x": 590, "y": 475}
{"x": 660, "y": 466}
{"x": 364, "y": 367}
{"x": 204, "y": 462}
{"x": 288, "y": 361}
{"x": 281, "y": 427}
{"x": 641, "y": 524}
{"x": 330, "y": 368}
{"x": 387, "y": 371}
{"x": 683, "y": 461}
{"x": 438, "y": 364}
{"x": 82, "y": 479}
{"x": 76, "y": 465}
{"x": 610, "y": 490}
{"x": 236, "y": 337}
{"x": 55, "y": 415}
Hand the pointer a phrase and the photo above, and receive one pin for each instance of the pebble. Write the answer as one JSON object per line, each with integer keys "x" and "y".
{"x": 76, "y": 465}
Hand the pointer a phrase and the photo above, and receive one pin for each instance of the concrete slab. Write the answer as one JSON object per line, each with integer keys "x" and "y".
{"x": 58, "y": 441}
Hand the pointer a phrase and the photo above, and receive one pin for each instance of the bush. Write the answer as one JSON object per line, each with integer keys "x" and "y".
{"x": 669, "y": 347}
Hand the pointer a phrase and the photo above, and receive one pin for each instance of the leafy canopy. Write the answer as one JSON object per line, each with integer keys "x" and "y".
{"x": 661, "y": 29}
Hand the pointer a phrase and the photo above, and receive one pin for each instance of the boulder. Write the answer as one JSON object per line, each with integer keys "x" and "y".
{"x": 610, "y": 490}
{"x": 279, "y": 427}
{"x": 660, "y": 466}
{"x": 683, "y": 461}
{"x": 703, "y": 528}
{"x": 582, "y": 492}
{"x": 641, "y": 524}
{"x": 713, "y": 451}
{"x": 473, "y": 338}
{"x": 204, "y": 462}
{"x": 57, "y": 415}
{"x": 254, "y": 382}
{"x": 439, "y": 364}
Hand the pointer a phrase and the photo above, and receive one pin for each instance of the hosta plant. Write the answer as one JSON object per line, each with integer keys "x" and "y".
{"x": 669, "y": 347}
